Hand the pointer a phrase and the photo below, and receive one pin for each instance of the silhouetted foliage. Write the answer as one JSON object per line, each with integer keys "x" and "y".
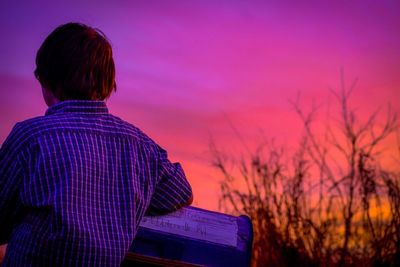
{"x": 331, "y": 204}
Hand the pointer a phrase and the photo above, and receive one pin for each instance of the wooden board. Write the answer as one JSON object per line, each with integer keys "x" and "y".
{"x": 196, "y": 224}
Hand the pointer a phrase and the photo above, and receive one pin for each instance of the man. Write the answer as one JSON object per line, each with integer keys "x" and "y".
{"x": 76, "y": 182}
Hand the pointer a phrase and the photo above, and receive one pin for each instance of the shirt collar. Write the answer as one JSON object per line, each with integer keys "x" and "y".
{"x": 78, "y": 106}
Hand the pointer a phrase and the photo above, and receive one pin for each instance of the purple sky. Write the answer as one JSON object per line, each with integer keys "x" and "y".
{"x": 186, "y": 70}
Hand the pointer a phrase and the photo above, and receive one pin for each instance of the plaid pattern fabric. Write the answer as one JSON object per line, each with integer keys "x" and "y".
{"x": 75, "y": 184}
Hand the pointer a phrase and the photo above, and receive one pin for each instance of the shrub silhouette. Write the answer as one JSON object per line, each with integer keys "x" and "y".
{"x": 316, "y": 210}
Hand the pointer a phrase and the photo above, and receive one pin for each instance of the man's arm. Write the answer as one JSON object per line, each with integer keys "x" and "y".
{"x": 173, "y": 190}
{"x": 10, "y": 178}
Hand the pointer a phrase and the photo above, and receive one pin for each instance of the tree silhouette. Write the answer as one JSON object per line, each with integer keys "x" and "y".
{"x": 331, "y": 204}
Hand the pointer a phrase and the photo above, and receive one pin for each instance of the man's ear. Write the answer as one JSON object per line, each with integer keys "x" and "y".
{"x": 49, "y": 97}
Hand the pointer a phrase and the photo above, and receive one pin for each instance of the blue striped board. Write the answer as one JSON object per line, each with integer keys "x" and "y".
{"x": 192, "y": 237}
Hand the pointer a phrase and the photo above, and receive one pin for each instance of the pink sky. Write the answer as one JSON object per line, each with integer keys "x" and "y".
{"x": 186, "y": 70}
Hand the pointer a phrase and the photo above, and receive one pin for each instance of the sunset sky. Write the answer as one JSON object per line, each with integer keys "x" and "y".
{"x": 191, "y": 71}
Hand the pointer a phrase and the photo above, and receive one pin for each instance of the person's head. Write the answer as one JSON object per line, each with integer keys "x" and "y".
{"x": 75, "y": 62}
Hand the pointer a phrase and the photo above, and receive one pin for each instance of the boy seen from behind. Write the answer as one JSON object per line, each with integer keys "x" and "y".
{"x": 76, "y": 182}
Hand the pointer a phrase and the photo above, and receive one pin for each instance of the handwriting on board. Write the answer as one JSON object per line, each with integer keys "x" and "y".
{"x": 196, "y": 224}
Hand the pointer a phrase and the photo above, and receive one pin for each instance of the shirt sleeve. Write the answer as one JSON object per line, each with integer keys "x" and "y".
{"x": 173, "y": 190}
{"x": 10, "y": 178}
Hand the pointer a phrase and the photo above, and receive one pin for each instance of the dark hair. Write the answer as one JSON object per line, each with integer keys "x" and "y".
{"x": 75, "y": 62}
